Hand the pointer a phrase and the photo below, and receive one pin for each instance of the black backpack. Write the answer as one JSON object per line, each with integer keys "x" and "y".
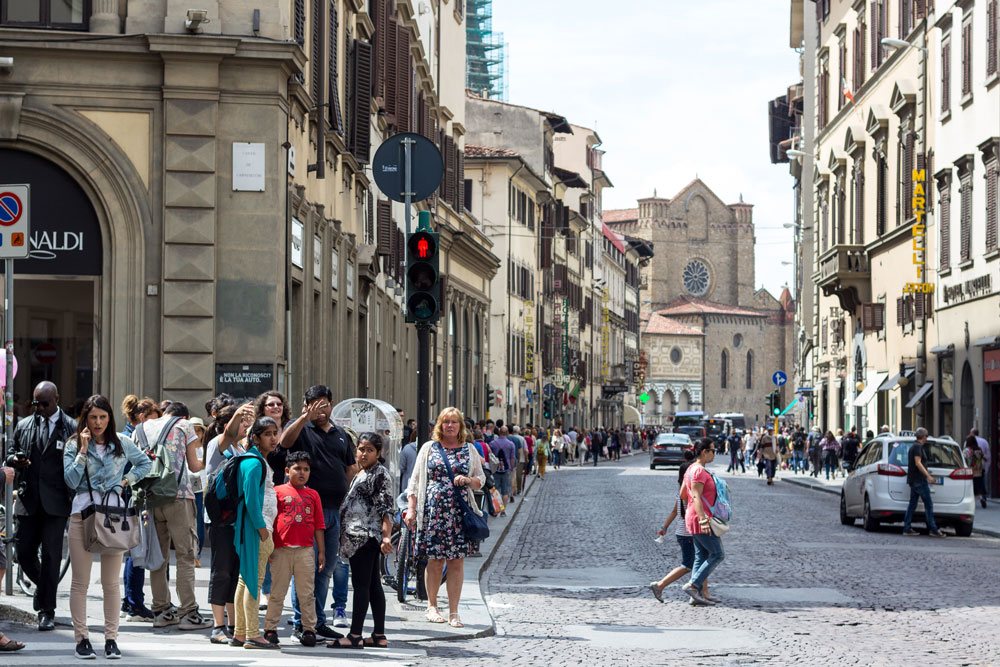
{"x": 222, "y": 493}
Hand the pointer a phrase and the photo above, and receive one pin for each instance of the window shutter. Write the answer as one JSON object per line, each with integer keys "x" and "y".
{"x": 384, "y": 227}
{"x": 381, "y": 39}
{"x": 393, "y": 261}
{"x": 992, "y": 213}
{"x": 333, "y": 94}
{"x": 946, "y": 76}
{"x": 992, "y": 30}
{"x": 966, "y": 59}
{"x": 443, "y": 189}
{"x": 945, "y": 218}
{"x": 920, "y": 9}
{"x": 300, "y": 22}
{"x": 881, "y": 195}
{"x": 905, "y": 17}
{"x": 404, "y": 79}
{"x": 965, "y": 223}
{"x": 450, "y": 170}
{"x": 909, "y": 147}
{"x": 389, "y": 67}
{"x": 867, "y": 316}
{"x": 859, "y": 57}
{"x": 359, "y": 138}
{"x": 899, "y": 311}
{"x": 371, "y": 217}
{"x": 316, "y": 54}
{"x": 876, "y": 46}
{"x": 918, "y": 306}
{"x": 400, "y": 254}
{"x": 879, "y": 316}
{"x": 460, "y": 178}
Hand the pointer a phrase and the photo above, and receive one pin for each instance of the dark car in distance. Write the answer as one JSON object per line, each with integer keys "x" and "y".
{"x": 668, "y": 449}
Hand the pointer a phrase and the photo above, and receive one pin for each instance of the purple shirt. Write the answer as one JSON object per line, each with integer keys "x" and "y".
{"x": 985, "y": 446}
{"x": 505, "y": 448}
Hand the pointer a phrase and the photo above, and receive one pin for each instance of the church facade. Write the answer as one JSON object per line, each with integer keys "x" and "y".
{"x": 711, "y": 338}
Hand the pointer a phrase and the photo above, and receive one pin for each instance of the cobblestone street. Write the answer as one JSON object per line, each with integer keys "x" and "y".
{"x": 568, "y": 585}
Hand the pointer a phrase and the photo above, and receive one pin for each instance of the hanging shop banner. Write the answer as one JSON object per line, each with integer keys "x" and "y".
{"x": 529, "y": 341}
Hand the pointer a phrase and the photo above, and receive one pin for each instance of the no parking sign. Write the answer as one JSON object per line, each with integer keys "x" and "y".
{"x": 14, "y": 221}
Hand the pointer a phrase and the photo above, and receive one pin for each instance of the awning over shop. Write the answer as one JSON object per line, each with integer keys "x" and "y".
{"x": 987, "y": 341}
{"x": 919, "y": 396}
{"x": 865, "y": 397}
{"x": 893, "y": 382}
{"x": 631, "y": 415}
{"x": 943, "y": 349}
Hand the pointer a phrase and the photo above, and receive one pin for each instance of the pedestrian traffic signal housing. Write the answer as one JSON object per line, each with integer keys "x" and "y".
{"x": 490, "y": 394}
{"x": 422, "y": 277}
{"x": 774, "y": 402}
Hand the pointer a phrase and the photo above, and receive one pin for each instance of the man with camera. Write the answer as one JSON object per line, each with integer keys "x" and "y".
{"x": 43, "y": 499}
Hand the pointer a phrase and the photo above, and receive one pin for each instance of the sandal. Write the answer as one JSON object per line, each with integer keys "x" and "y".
{"x": 376, "y": 641}
{"x": 260, "y": 643}
{"x": 356, "y": 642}
{"x": 9, "y": 645}
{"x": 455, "y": 621}
{"x": 434, "y": 616}
{"x": 654, "y": 588}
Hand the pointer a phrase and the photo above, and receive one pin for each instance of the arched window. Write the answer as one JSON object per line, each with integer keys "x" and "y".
{"x": 725, "y": 369}
{"x": 749, "y": 369}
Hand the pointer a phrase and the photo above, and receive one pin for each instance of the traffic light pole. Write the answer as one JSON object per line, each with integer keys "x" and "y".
{"x": 423, "y": 382}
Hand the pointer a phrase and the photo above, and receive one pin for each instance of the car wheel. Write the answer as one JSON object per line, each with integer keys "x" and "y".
{"x": 844, "y": 518}
{"x": 870, "y": 522}
{"x": 963, "y": 529}
{"x": 652, "y": 466}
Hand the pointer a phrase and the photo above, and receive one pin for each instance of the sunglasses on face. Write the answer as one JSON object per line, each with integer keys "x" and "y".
{"x": 272, "y": 405}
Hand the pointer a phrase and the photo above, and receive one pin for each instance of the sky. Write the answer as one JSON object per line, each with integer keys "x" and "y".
{"x": 675, "y": 89}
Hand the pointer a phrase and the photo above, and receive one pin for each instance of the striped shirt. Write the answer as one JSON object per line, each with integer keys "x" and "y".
{"x": 681, "y": 529}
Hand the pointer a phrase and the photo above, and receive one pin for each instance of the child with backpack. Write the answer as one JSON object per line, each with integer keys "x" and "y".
{"x": 298, "y": 528}
{"x": 255, "y": 514}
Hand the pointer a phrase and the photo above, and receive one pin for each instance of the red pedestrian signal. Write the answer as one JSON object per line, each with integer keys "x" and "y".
{"x": 422, "y": 277}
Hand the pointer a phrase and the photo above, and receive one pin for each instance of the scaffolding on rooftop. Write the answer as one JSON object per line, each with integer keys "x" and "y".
{"x": 485, "y": 52}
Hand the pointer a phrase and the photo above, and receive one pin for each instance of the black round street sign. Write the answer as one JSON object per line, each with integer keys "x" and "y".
{"x": 389, "y": 167}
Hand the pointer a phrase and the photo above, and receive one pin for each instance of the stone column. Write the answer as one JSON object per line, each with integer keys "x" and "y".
{"x": 104, "y": 18}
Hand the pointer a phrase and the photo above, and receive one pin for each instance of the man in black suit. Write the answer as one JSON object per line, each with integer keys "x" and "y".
{"x": 44, "y": 500}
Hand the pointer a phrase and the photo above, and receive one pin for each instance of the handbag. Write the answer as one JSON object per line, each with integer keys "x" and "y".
{"x": 473, "y": 525}
{"x": 147, "y": 553}
{"x": 718, "y": 526}
{"x": 112, "y": 523}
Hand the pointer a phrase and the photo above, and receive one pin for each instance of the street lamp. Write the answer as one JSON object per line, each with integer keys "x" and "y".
{"x": 894, "y": 43}
{"x": 795, "y": 225}
{"x": 795, "y": 152}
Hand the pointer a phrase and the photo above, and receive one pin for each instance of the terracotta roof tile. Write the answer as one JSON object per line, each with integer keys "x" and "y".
{"x": 688, "y": 305}
{"x": 620, "y": 215}
{"x": 485, "y": 151}
{"x": 664, "y": 325}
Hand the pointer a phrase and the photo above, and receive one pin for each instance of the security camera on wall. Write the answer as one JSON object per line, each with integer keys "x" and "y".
{"x": 195, "y": 19}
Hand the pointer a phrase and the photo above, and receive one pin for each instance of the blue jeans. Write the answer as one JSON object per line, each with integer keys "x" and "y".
{"x": 798, "y": 460}
{"x": 556, "y": 458}
{"x": 708, "y": 553}
{"x": 135, "y": 579}
{"x": 830, "y": 463}
{"x": 334, "y": 567}
{"x": 922, "y": 491}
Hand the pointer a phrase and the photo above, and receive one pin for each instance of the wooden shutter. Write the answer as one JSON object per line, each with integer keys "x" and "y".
{"x": 966, "y": 58}
{"x": 389, "y": 68}
{"x": 945, "y": 219}
{"x": 393, "y": 261}
{"x": 316, "y": 53}
{"x": 300, "y": 22}
{"x": 404, "y": 79}
{"x": 878, "y": 316}
{"x": 945, "y": 76}
{"x": 381, "y": 40}
{"x": 905, "y": 17}
{"x": 909, "y": 147}
{"x": 460, "y": 178}
{"x": 919, "y": 309}
{"x": 867, "y": 316}
{"x": 965, "y": 221}
{"x": 400, "y": 254}
{"x": 899, "y": 311}
{"x": 920, "y": 9}
{"x": 876, "y": 36}
{"x": 371, "y": 217}
{"x": 359, "y": 136}
{"x": 992, "y": 30}
{"x": 450, "y": 170}
{"x": 859, "y": 58}
{"x": 992, "y": 213}
{"x": 333, "y": 93}
{"x": 442, "y": 142}
{"x": 384, "y": 227}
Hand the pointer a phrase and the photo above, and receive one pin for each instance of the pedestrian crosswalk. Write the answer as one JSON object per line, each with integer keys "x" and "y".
{"x": 142, "y": 649}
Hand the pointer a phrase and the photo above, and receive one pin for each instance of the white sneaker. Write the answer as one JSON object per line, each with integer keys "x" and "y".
{"x": 340, "y": 619}
{"x": 166, "y": 618}
{"x": 194, "y": 621}
{"x": 694, "y": 593}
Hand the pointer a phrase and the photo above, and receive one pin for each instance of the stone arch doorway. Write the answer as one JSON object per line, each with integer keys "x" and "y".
{"x": 684, "y": 402}
{"x": 89, "y": 245}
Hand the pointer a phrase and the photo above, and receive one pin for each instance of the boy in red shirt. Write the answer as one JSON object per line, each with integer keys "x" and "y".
{"x": 297, "y": 529}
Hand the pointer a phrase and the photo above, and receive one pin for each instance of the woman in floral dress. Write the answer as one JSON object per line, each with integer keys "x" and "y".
{"x": 434, "y": 510}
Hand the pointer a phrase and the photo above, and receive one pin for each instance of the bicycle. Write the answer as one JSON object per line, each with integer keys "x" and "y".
{"x": 26, "y": 585}
{"x": 401, "y": 571}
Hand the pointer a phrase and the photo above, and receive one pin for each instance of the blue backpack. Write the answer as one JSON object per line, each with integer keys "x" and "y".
{"x": 722, "y": 509}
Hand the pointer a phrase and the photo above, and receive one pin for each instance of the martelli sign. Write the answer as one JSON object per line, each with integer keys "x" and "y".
{"x": 919, "y": 205}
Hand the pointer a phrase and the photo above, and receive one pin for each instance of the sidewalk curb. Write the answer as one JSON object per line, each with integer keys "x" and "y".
{"x": 989, "y": 532}
{"x": 487, "y": 561}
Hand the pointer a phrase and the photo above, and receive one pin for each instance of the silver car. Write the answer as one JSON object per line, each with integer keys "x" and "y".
{"x": 668, "y": 449}
{"x": 876, "y": 490}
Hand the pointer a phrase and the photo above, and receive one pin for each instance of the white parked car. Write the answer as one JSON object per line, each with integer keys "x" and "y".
{"x": 876, "y": 490}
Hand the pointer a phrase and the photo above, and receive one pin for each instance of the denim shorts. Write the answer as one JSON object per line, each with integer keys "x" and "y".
{"x": 502, "y": 480}
{"x": 687, "y": 550}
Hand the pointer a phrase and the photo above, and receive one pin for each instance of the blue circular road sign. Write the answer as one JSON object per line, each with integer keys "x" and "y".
{"x": 779, "y": 378}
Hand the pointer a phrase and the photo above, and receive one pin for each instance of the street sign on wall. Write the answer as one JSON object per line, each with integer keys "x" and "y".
{"x": 15, "y": 216}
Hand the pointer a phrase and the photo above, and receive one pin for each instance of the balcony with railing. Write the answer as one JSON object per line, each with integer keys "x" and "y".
{"x": 844, "y": 271}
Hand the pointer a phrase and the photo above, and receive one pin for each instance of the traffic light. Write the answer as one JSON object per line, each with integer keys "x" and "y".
{"x": 422, "y": 277}
{"x": 775, "y": 402}
{"x": 490, "y": 394}
{"x": 547, "y": 409}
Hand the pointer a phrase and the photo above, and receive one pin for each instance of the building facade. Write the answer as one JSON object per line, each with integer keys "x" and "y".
{"x": 204, "y": 211}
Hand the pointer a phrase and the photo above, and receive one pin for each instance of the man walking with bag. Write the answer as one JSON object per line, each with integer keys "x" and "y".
{"x": 43, "y": 500}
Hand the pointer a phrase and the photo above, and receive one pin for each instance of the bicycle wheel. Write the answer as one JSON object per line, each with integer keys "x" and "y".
{"x": 403, "y": 564}
{"x": 387, "y": 562}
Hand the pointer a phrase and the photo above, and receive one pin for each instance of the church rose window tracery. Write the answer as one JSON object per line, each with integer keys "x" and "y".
{"x": 696, "y": 277}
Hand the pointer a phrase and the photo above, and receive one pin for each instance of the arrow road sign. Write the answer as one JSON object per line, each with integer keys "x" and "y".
{"x": 779, "y": 378}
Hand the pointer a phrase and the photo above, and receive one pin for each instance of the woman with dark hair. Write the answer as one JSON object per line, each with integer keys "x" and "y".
{"x": 684, "y": 539}
{"x": 446, "y": 467}
{"x": 699, "y": 492}
{"x": 93, "y": 464}
{"x": 274, "y": 405}
{"x": 365, "y": 532}
{"x": 974, "y": 459}
{"x": 254, "y": 522}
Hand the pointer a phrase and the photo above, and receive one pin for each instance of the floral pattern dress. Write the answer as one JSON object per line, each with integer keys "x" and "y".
{"x": 441, "y": 535}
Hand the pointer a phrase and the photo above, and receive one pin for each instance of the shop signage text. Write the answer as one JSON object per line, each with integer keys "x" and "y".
{"x": 529, "y": 342}
{"x": 970, "y": 289}
{"x": 919, "y": 205}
